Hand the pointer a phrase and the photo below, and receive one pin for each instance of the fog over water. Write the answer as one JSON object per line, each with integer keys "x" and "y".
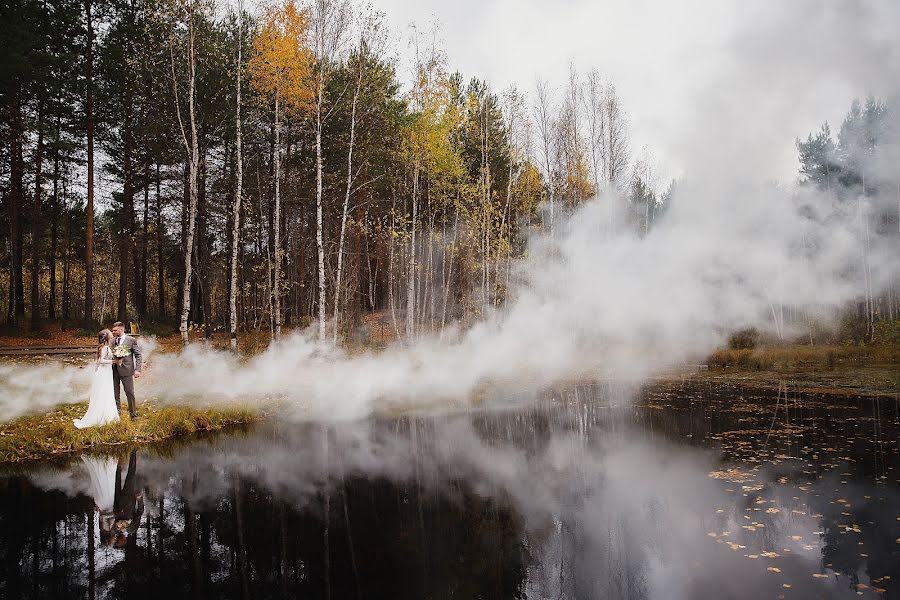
{"x": 581, "y": 491}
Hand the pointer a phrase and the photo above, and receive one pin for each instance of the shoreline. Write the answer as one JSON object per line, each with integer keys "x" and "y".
{"x": 840, "y": 371}
{"x": 49, "y": 435}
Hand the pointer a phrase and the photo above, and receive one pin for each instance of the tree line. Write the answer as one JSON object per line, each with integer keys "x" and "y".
{"x": 174, "y": 161}
{"x": 856, "y": 175}
{"x": 193, "y": 165}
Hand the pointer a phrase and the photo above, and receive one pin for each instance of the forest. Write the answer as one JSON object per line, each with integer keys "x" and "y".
{"x": 197, "y": 167}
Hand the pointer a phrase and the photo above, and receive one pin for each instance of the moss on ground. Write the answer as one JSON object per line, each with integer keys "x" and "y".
{"x": 44, "y": 436}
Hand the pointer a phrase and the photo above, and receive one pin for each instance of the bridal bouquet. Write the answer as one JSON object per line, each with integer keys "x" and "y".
{"x": 121, "y": 351}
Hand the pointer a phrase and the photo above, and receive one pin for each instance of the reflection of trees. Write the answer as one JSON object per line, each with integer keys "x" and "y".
{"x": 389, "y": 540}
{"x": 876, "y": 519}
{"x": 43, "y": 541}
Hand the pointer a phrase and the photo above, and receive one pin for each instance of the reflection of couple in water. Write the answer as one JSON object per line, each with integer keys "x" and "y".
{"x": 119, "y": 502}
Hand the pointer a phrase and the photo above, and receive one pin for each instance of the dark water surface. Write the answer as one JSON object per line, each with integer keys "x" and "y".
{"x": 584, "y": 492}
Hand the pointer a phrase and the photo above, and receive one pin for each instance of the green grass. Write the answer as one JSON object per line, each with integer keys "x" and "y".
{"x": 43, "y": 436}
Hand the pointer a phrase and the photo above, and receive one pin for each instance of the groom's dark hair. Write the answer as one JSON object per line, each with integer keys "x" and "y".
{"x": 119, "y": 324}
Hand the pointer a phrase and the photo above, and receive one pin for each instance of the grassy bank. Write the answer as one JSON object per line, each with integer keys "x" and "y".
{"x": 848, "y": 369}
{"x": 43, "y": 436}
{"x": 801, "y": 357}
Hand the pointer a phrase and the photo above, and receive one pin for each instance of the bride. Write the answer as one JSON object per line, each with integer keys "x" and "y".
{"x": 102, "y": 407}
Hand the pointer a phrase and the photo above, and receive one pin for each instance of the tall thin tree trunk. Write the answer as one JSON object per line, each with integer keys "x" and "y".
{"x": 54, "y": 229}
{"x": 340, "y": 257}
{"x": 391, "y": 301}
{"x": 142, "y": 291}
{"x": 36, "y": 223}
{"x": 16, "y": 308}
{"x": 67, "y": 244}
{"x": 193, "y": 163}
{"x": 160, "y": 263}
{"x": 239, "y": 180}
{"x": 411, "y": 277}
{"x": 89, "y": 117}
{"x": 126, "y": 229}
{"x": 320, "y": 245}
{"x": 276, "y": 227}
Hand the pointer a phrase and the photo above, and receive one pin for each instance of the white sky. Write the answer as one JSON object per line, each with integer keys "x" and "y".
{"x": 682, "y": 66}
{"x": 708, "y": 84}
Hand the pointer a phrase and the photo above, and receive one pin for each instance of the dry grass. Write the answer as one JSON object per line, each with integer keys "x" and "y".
{"x": 51, "y": 434}
{"x": 792, "y": 358}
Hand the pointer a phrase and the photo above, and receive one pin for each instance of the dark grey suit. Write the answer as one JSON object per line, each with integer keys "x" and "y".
{"x": 124, "y": 373}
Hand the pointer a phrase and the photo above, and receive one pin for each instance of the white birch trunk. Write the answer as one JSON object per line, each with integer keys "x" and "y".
{"x": 320, "y": 245}
{"x": 194, "y": 154}
{"x": 411, "y": 277}
{"x": 276, "y": 277}
{"x": 340, "y": 257}
{"x": 239, "y": 178}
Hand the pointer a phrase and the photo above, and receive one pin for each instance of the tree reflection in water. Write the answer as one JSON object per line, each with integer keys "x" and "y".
{"x": 581, "y": 493}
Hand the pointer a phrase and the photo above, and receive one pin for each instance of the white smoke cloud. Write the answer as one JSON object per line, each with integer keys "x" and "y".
{"x": 730, "y": 250}
{"x": 36, "y": 388}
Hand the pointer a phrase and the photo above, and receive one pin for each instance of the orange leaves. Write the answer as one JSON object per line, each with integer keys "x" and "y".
{"x": 281, "y": 64}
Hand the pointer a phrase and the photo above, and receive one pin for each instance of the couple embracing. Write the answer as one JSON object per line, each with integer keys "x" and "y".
{"x": 118, "y": 364}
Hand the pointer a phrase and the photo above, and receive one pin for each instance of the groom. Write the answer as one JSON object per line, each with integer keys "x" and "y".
{"x": 128, "y": 369}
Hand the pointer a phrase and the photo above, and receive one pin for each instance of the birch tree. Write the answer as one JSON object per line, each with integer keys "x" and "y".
{"x": 370, "y": 41}
{"x": 238, "y": 185}
{"x": 543, "y": 117}
{"x": 192, "y": 150}
{"x": 328, "y": 30}
{"x": 279, "y": 70}
{"x": 89, "y": 122}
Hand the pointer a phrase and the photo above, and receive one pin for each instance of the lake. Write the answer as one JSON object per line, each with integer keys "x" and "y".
{"x": 682, "y": 490}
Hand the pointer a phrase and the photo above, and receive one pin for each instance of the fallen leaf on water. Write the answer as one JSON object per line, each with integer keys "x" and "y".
{"x": 774, "y": 569}
{"x": 820, "y": 576}
{"x": 785, "y": 585}
{"x": 796, "y": 538}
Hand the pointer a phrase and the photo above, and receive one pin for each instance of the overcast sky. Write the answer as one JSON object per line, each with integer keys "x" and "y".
{"x": 688, "y": 70}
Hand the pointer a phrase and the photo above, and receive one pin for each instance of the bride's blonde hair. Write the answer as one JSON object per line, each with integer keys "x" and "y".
{"x": 104, "y": 338}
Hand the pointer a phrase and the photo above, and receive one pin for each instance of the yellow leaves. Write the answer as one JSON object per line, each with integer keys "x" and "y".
{"x": 820, "y": 575}
{"x": 281, "y": 63}
{"x": 733, "y": 475}
{"x": 773, "y": 569}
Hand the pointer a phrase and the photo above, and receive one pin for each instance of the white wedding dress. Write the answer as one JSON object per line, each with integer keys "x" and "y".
{"x": 102, "y": 407}
{"x": 101, "y": 472}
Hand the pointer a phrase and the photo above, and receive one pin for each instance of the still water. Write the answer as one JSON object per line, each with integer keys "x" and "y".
{"x": 591, "y": 491}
